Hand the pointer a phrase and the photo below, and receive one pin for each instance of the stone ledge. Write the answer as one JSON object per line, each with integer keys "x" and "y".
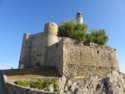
{"x": 16, "y": 89}
{"x": 5, "y": 77}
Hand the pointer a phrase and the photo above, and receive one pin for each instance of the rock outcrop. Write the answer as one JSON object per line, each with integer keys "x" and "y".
{"x": 112, "y": 83}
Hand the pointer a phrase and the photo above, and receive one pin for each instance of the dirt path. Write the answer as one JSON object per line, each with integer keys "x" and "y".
{"x": 3, "y": 90}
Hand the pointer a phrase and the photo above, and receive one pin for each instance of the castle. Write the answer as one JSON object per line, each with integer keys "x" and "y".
{"x": 68, "y": 56}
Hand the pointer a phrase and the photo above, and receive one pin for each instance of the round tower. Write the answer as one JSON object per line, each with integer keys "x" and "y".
{"x": 51, "y": 29}
{"x": 79, "y": 18}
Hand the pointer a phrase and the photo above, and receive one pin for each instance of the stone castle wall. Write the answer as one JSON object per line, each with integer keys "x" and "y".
{"x": 68, "y": 56}
{"x": 38, "y": 50}
{"x": 81, "y": 60}
{"x": 33, "y": 50}
{"x": 35, "y": 47}
{"x": 55, "y": 56}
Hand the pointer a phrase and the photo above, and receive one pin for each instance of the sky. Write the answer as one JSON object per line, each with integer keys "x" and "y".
{"x": 29, "y": 16}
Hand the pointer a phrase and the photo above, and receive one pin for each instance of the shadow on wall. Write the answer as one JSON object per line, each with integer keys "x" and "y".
{"x": 42, "y": 71}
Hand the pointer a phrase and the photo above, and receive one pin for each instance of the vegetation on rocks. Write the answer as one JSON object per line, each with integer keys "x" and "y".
{"x": 124, "y": 90}
{"x": 40, "y": 84}
{"x": 79, "y": 32}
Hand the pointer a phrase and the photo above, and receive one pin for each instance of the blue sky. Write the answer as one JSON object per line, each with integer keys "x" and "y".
{"x": 20, "y": 16}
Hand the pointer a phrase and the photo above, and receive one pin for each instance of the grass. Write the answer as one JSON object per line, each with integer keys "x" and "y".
{"x": 39, "y": 72}
{"x": 40, "y": 84}
{"x": 124, "y": 90}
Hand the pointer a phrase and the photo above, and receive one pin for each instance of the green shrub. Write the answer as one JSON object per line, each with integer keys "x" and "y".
{"x": 79, "y": 32}
{"x": 99, "y": 36}
{"x": 89, "y": 38}
{"x": 40, "y": 84}
{"x": 123, "y": 90}
{"x": 56, "y": 87}
{"x": 37, "y": 84}
{"x": 73, "y": 30}
{"x": 22, "y": 83}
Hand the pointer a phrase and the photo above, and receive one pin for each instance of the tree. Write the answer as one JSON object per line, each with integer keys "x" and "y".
{"x": 79, "y": 32}
{"x": 73, "y": 30}
{"x": 99, "y": 36}
{"x": 89, "y": 38}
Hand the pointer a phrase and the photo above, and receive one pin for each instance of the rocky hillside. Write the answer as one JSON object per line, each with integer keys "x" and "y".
{"x": 113, "y": 83}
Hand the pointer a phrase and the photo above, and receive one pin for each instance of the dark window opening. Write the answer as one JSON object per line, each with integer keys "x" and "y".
{"x": 98, "y": 52}
{"x": 57, "y": 45}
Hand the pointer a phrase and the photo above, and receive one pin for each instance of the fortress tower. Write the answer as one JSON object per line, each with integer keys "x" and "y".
{"x": 34, "y": 50}
{"x": 51, "y": 29}
{"x": 79, "y": 18}
{"x": 68, "y": 56}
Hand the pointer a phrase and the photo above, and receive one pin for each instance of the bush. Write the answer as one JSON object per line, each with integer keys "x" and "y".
{"x": 89, "y": 38}
{"x": 40, "y": 84}
{"x": 37, "y": 84}
{"x": 22, "y": 83}
{"x": 73, "y": 30}
{"x": 123, "y": 90}
{"x": 56, "y": 87}
{"x": 78, "y": 31}
{"x": 99, "y": 36}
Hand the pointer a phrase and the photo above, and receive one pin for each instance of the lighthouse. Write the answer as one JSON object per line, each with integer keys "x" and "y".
{"x": 79, "y": 18}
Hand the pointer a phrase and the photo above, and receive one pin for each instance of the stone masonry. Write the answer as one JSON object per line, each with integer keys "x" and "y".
{"x": 35, "y": 47}
{"x": 70, "y": 57}
{"x": 87, "y": 60}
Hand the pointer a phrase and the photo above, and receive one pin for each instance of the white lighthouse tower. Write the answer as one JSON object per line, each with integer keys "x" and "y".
{"x": 79, "y": 18}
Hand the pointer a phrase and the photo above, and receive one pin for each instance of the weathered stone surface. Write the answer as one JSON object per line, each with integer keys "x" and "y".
{"x": 34, "y": 46}
{"x": 85, "y": 68}
{"x": 80, "y": 61}
{"x": 71, "y": 58}
{"x": 51, "y": 88}
{"x": 112, "y": 83}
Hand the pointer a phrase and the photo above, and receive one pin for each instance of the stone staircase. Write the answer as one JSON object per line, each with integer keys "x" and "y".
{"x": 3, "y": 89}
